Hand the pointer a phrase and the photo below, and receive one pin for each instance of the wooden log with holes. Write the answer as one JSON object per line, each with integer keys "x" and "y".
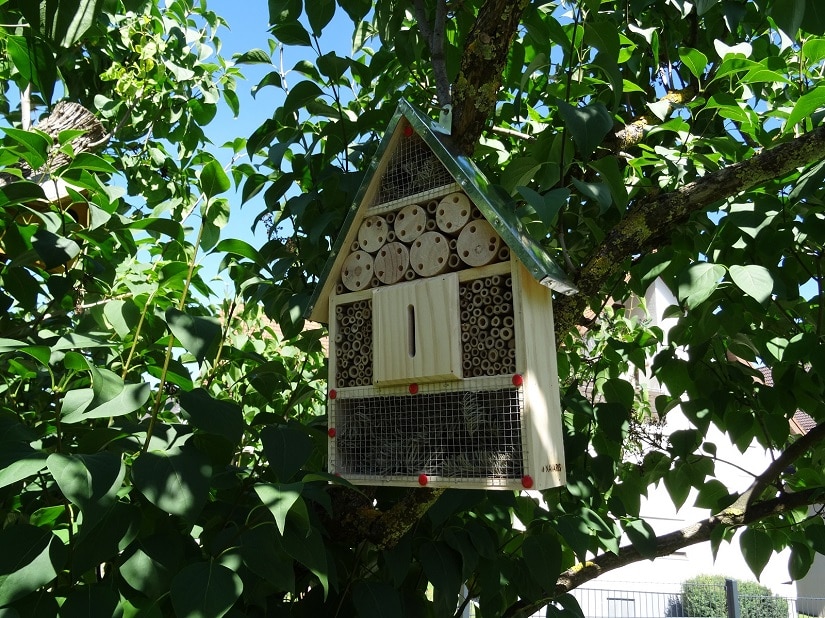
{"x": 357, "y": 271}
{"x": 453, "y": 213}
{"x": 372, "y": 234}
{"x": 391, "y": 262}
{"x": 429, "y": 254}
{"x": 478, "y": 243}
{"x": 410, "y": 223}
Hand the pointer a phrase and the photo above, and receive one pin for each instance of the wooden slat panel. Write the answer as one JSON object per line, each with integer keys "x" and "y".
{"x": 416, "y": 332}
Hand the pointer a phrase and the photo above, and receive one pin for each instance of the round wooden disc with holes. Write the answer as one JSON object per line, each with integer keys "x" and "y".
{"x": 372, "y": 234}
{"x": 453, "y": 213}
{"x": 357, "y": 271}
{"x": 410, "y": 223}
{"x": 478, "y": 243}
{"x": 391, "y": 262}
{"x": 429, "y": 254}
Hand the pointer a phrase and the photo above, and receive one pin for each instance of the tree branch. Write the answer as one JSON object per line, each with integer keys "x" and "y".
{"x": 666, "y": 544}
{"x": 475, "y": 91}
{"x": 434, "y": 35}
{"x": 650, "y": 221}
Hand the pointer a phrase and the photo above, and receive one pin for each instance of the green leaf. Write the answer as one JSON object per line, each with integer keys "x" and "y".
{"x": 199, "y": 335}
{"x": 376, "y": 600}
{"x": 642, "y": 537}
{"x": 175, "y": 481}
{"x": 301, "y": 94}
{"x": 788, "y": 15}
{"x": 279, "y": 499}
{"x": 90, "y": 482}
{"x": 757, "y": 548}
{"x": 755, "y": 281}
{"x": 543, "y": 555}
{"x": 151, "y": 562}
{"x": 319, "y": 13}
{"x": 253, "y": 56}
{"x": 213, "y": 180}
{"x": 547, "y": 206}
{"x": 712, "y": 495}
{"x": 222, "y": 418}
{"x": 122, "y": 315}
{"x": 804, "y": 107}
{"x": 694, "y": 60}
{"x": 31, "y": 558}
{"x": 96, "y": 600}
{"x": 309, "y": 550}
{"x": 442, "y": 566}
{"x": 54, "y": 250}
{"x": 92, "y": 163}
{"x": 287, "y": 449}
{"x": 35, "y": 145}
{"x": 73, "y": 20}
{"x": 204, "y": 590}
{"x": 110, "y": 398}
{"x": 291, "y": 33}
{"x": 698, "y": 282}
{"x": 588, "y": 125}
{"x": 19, "y": 462}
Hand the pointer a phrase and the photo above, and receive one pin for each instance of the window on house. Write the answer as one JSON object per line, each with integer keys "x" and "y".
{"x": 621, "y": 608}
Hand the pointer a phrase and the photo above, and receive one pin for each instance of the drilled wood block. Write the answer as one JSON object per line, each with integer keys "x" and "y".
{"x": 478, "y": 243}
{"x": 391, "y": 262}
{"x": 357, "y": 271}
{"x": 453, "y": 213}
{"x": 430, "y": 254}
{"x": 372, "y": 234}
{"x": 410, "y": 223}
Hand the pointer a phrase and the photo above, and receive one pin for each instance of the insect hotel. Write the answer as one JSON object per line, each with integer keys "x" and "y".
{"x": 442, "y": 368}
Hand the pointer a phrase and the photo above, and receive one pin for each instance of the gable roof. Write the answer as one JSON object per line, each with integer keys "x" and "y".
{"x": 471, "y": 180}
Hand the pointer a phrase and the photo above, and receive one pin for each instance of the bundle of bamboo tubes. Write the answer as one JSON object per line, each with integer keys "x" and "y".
{"x": 353, "y": 344}
{"x": 488, "y": 345}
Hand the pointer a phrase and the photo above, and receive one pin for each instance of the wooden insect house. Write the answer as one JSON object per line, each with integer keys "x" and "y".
{"x": 442, "y": 368}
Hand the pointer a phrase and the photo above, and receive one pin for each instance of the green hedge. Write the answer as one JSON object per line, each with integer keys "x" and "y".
{"x": 704, "y": 596}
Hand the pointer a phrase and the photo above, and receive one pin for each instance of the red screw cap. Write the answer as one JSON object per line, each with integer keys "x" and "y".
{"x": 527, "y": 481}
{"x": 518, "y": 380}
{"x": 331, "y": 432}
{"x": 413, "y": 388}
{"x": 408, "y": 131}
{"x": 423, "y": 480}
{"x": 333, "y": 394}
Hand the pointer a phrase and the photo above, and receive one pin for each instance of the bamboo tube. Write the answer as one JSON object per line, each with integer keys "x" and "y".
{"x": 467, "y": 365}
{"x": 495, "y": 321}
{"x": 477, "y": 312}
{"x": 508, "y": 321}
{"x": 495, "y": 280}
{"x": 339, "y": 312}
{"x": 483, "y": 322}
{"x": 503, "y": 254}
{"x": 476, "y": 286}
{"x": 389, "y": 218}
{"x": 495, "y": 333}
{"x": 506, "y": 333}
{"x": 356, "y": 273}
{"x": 453, "y": 244}
{"x": 475, "y": 331}
{"x": 354, "y": 246}
{"x": 486, "y": 365}
{"x": 350, "y": 354}
{"x": 501, "y": 345}
{"x": 492, "y": 353}
{"x": 409, "y": 275}
{"x": 465, "y": 336}
{"x": 466, "y": 314}
{"x": 508, "y": 296}
{"x": 356, "y": 345}
{"x": 339, "y": 288}
{"x": 489, "y": 343}
{"x": 453, "y": 262}
{"x": 339, "y": 338}
{"x": 390, "y": 236}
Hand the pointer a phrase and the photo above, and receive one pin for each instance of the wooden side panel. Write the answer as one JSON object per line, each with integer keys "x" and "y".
{"x": 536, "y": 361}
{"x": 416, "y": 332}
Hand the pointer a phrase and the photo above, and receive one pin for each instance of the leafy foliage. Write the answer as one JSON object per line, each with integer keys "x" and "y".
{"x": 162, "y": 448}
{"x": 704, "y": 595}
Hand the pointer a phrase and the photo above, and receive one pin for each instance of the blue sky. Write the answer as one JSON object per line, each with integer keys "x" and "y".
{"x": 248, "y": 29}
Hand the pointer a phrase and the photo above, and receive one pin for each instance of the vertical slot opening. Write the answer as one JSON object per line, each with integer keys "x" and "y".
{"x": 411, "y": 330}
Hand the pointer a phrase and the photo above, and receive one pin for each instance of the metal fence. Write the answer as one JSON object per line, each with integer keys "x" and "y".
{"x": 700, "y": 601}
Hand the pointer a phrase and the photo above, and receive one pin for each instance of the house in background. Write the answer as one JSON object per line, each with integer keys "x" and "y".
{"x": 659, "y": 580}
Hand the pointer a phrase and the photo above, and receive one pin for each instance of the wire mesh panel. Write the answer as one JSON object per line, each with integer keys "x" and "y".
{"x": 412, "y": 169}
{"x": 469, "y": 435}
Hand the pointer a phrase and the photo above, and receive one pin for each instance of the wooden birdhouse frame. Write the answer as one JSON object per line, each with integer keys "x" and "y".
{"x": 442, "y": 368}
